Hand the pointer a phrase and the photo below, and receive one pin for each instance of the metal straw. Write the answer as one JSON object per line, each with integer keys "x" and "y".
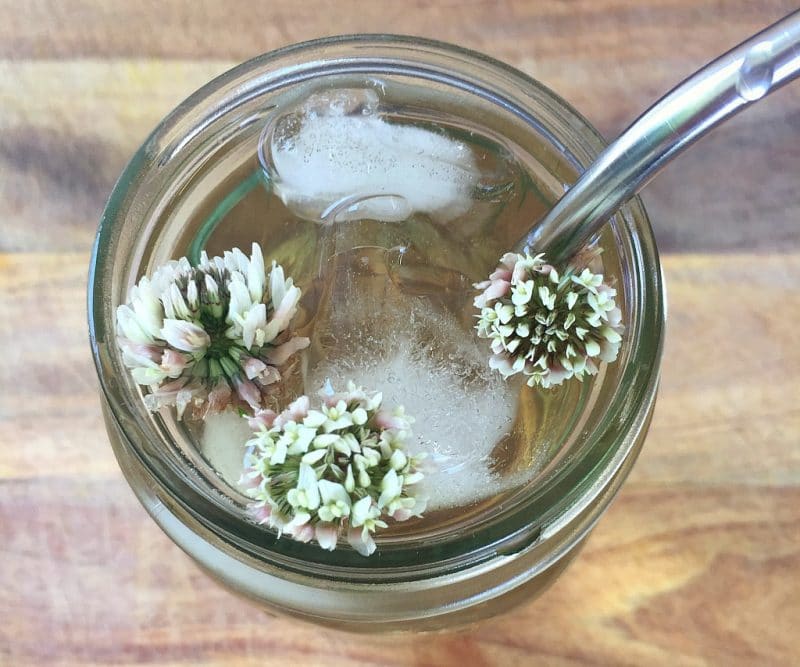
{"x": 741, "y": 77}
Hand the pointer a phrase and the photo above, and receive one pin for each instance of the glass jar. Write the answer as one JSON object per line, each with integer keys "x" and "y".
{"x": 470, "y": 570}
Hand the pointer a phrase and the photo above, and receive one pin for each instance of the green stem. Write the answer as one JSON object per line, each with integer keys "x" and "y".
{"x": 221, "y": 210}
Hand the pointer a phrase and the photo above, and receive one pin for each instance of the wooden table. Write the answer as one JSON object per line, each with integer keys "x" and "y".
{"x": 697, "y": 562}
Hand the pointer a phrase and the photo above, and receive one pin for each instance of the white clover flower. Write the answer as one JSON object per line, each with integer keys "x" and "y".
{"x": 206, "y": 335}
{"x": 545, "y": 326}
{"x": 318, "y": 474}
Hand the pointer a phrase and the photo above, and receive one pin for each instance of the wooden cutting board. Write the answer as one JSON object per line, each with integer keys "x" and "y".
{"x": 698, "y": 560}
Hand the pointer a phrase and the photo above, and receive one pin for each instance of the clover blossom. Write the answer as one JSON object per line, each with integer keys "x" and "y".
{"x": 208, "y": 335}
{"x": 546, "y": 326}
{"x": 318, "y": 474}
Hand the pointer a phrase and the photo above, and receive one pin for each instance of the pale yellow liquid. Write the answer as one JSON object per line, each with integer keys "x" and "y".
{"x": 389, "y": 305}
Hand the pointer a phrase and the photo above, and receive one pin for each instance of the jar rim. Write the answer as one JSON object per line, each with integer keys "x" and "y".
{"x": 585, "y": 478}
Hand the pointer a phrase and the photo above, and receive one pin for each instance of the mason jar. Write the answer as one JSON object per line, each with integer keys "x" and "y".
{"x": 467, "y": 569}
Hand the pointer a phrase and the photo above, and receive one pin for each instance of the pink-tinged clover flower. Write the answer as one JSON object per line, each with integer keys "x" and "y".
{"x": 209, "y": 335}
{"x": 339, "y": 470}
{"x": 547, "y": 326}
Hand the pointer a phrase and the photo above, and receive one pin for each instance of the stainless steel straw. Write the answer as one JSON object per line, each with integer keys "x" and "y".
{"x": 729, "y": 84}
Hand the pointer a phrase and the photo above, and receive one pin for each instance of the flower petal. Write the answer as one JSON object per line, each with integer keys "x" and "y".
{"x": 248, "y": 392}
{"x": 333, "y": 492}
{"x": 261, "y": 418}
{"x": 277, "y": 356}
{"x": 256, "y": 274}
{"x": 173, "y": 363}
{"x": 219, "y": 397}
{"x": 361, "y": 541}
{"x": 327, "y": 534}
{"x": 277, "y": 284}
{"x": 390, "y": 488}
{"x": 253, "y": 367}
{"x": 299, "y": 520}
{"x": 360, "y": 511}
{"x": 185, "y": 336}
{"x": 131, "y": 327}
{"x": 254, "y": 321}
{"x": 283, "y": 314}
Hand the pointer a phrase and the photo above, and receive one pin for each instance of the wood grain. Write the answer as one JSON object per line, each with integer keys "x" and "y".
{"x": 83, "y": 83}
{"x": 509, "y": 29}
{"x": 698, "y": 560}
{"x": 696, "y": 563}
{"x": 674, "y": 575}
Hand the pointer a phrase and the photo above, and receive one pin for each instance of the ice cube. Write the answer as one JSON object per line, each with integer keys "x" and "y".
{"x": 336, "y": 157}
{"x": 427, "y": 364}
{"x": 223, "y": 444}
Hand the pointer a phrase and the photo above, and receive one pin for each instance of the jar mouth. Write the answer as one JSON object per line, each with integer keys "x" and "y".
{"x": 531, "y": 515}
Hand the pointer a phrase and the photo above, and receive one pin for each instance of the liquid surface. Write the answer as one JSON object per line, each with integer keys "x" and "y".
{"x": 386, "y": 267}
